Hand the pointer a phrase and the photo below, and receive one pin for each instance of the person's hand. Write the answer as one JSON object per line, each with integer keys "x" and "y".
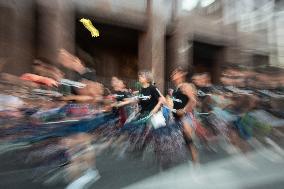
{"x": 78, "y": 66}
{"x": 49, "y": 82}
{"x": 69, "y": 61}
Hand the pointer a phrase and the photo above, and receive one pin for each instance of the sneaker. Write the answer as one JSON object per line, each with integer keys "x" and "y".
{"x": 85, "y": 181}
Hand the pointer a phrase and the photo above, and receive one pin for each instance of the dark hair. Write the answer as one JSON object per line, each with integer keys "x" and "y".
{"x": 179, "y": 69}
{"x": 147, "y": 74}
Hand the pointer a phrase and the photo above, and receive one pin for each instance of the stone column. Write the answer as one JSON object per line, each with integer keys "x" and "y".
{"x": 56, "y": 27}
{"x": 16, "y": 36}
{"x": 180, "y": 45}
{"x": 6, "y": 37}
{"x": 152, "y": 43}
{"x": 280, "y": 38}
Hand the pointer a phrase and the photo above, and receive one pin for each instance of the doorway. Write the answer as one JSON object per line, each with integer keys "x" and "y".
{"x": 208, "y": 58}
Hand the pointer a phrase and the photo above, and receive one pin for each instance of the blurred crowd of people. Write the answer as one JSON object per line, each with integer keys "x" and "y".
{"x": 65, "y": 119}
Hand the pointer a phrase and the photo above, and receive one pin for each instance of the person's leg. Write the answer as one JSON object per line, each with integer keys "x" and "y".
{"x": 83, "y": 170}
{"x": 87, "y": 158}
{"x": 188, "y": 134}
{"x": 73, "y": 170}
{"x": 77, "y": 144}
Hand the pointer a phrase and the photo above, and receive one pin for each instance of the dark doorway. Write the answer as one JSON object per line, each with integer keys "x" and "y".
{"x": 208, "y": 58}
{"x": 113, "y": 53}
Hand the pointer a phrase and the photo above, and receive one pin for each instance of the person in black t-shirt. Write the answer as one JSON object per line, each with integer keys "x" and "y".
{"x": 205, "y": 89}
{"x": 92, "y": 92}
{"x": 137, "y": 130}
{"x": 148, "y": 97}
{"x": 119, "y": 89}
{"x": 184, "y": 101}
{"x": 148, "y": 94}
{"x": 120, "y": 94}
{"x": 203, "y": 82}
{"x": 76, "y": 67}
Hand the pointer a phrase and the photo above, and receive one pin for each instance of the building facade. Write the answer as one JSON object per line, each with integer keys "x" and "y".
{"x": 159, "y": 35}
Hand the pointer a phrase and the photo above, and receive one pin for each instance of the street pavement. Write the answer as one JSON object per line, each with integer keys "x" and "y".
{"x": 218, "y": 169}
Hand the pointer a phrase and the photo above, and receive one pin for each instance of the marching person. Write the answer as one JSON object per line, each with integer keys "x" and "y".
{"x": 184, "y": 101}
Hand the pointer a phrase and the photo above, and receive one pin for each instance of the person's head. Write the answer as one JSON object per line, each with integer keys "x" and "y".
{"x": 114, "y": 82}
{"x": 145, "y": 77}
{"x": 170, "y": 92}
{"x": 179, "y": 75}
{"x": 121, "y": 84}
{"x": 201, "y": 80}
{"x": 117, "y": 84}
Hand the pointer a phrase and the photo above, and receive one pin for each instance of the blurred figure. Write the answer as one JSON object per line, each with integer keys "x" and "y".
{"x": 81, "y": 169}
{"x": 93, "y": 91}
{"x": 202, "y": 82}
{"x": 184, "y": 101}
{"x": 121, "y": 95}
{"x": 170, "y": 92}
{"x": 9, "y": 79}
{"x": 10, "y": 106}
{"x": 118, "y": 86}
{"x": 47, "y": 70}
{"x": 44, "y": 74}
{"x": 205, "y": 89}
{"x": 137, "y": 127}
{"x": 73, "y": 63}
{"x": 39, "y": 79}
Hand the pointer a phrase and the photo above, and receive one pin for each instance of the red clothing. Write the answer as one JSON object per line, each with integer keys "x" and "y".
{"x": 39, "y": 79}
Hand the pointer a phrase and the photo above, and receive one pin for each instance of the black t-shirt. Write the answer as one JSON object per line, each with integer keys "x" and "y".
{"x": 179, "y": 99}
{"x": 149, "y": 98}
{"x": 121, "y": 95}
